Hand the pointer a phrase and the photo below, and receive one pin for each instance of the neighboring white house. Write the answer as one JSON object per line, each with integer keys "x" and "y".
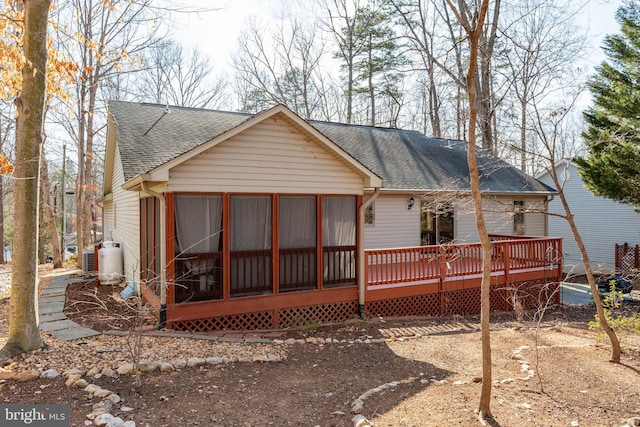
{"x": 601, "y": 222}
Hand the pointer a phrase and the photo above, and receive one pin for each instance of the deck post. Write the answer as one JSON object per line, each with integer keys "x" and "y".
{"x": 506, "y": 252}
{"x": 443, "y": 273}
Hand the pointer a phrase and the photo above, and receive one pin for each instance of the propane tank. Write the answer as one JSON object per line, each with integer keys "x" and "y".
{"x": 109, "y": 263}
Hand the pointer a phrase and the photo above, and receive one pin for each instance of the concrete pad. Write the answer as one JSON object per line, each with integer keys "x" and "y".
{"x": 58, "y": 325}
{"x": 74, "y": 333}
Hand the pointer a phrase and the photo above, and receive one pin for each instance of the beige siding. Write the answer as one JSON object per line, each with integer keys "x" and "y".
{"x": 270, "y": 157}
{"x": 122, "y": 223}
{"x": 535, "y": 222}
{"x": 395, "y": 226}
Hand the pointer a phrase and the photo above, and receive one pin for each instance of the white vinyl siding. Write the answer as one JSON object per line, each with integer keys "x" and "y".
{"x": 601, "y": 222}
{"x": 270, "y": 157}
{"x": 122, "y": 224}
{"x": 395, "y": 225}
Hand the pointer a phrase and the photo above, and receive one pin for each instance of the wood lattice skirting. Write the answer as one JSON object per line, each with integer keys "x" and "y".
{"x": 528, "y": 295}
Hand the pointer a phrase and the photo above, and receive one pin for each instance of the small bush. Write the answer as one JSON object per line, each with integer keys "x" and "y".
{"x": 624, "y": 325}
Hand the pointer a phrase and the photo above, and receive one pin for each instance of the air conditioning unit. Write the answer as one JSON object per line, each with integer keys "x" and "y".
{"x": 88, "y": 261}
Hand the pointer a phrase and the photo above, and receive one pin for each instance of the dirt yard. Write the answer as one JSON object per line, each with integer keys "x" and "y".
{"x": 401, "y": 372}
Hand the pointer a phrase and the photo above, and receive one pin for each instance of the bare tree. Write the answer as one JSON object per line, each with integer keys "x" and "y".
{"x": 24, "y": 333}
{"x": 176, "y": 77}
{"x": 279, "y": 66}
{"x": 342, "y": 22}
{"x": 105, "y": 38}
{"x": 539, "y": 48}
{"x": 548, "y": 127}
{"x": 473, "y": 24}
{"x": 421, "y": 21}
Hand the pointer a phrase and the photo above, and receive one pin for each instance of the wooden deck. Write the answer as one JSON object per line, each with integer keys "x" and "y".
{"x": 425, "y": 280}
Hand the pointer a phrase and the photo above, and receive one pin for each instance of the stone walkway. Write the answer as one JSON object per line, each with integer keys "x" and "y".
{"x": 51, "y": 312}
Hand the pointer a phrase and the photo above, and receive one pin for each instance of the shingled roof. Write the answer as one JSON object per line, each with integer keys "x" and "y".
{"x": 148, "y": 137}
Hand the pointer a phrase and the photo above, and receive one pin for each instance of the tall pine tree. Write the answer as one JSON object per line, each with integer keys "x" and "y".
{"x": 612, "y": 167}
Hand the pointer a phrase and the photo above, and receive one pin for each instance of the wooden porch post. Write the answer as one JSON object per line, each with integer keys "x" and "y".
{"x": 170, "y": 245}
{"x": 226, "y": 246}
{"x": 443, "y": 274}
{"x": 506, "y": 258}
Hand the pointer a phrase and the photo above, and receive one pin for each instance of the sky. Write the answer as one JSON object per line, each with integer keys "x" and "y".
{"x": 216, "y": 32}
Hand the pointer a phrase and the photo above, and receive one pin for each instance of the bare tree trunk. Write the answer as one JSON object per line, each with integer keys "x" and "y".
{"x": 613, "y": 338}
{"x": 474, "y": 31}
{"x": 24, "y": 333}
{"x": 523, "y": 135}
{"x": 2, "y": 260}
{"x": 49, "y": 213}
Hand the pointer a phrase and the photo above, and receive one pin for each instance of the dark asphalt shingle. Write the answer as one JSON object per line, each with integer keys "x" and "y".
{"x": 147, "y": 137}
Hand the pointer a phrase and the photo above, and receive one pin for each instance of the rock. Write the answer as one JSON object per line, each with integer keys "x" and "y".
{"x": 91, "y": 388}
{"x": 7, "y": 375}
{"x": 50, "y": 373}
{"x": 633, "y": 422}
{"x": 81, "y": 383}
{"x": 108, "y": 420}
{"x": 195, "y": 361}
{"x": 114, "y": 398}
{"x": 129, "y": 424}
{"x": 146, "y": 365}
{"x": 100, "y": 408}
{"x": 100, "y": 419}
{"x": 108, "y": 372}
{"x": 357, "y": 406}
{"x": 126, "y": 408}
{"x": 29, "y": 375}
{"x": 361, "y": 421}
{"x": 74, "y": 371}
{"x": 261, "y": 358}
{"x": 165, "y": 366}
{"x": 290, "y": 341}
{"x": 104, "y": 405}
{"x": 214, "y": 360}
{"x": 72, "y": 379}
{"x": 338, "y": 414}
{"x": 93, "y": 371}
{"x": 102, "y": 392}
{"x": 179, "y": 363}
{"x": 125, "y": 369}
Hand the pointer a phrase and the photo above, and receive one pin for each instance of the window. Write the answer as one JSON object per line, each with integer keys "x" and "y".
{"x": 370, "y": 214}
{"x": 436, "y": 223}
{"x": 518, "y": 217}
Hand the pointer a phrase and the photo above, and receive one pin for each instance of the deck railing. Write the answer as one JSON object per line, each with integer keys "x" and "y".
{"x": 424, "y": 263}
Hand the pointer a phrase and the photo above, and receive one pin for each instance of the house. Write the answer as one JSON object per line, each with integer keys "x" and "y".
{"x": 233, "y": 220}
{"x": 602, "y": 222}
